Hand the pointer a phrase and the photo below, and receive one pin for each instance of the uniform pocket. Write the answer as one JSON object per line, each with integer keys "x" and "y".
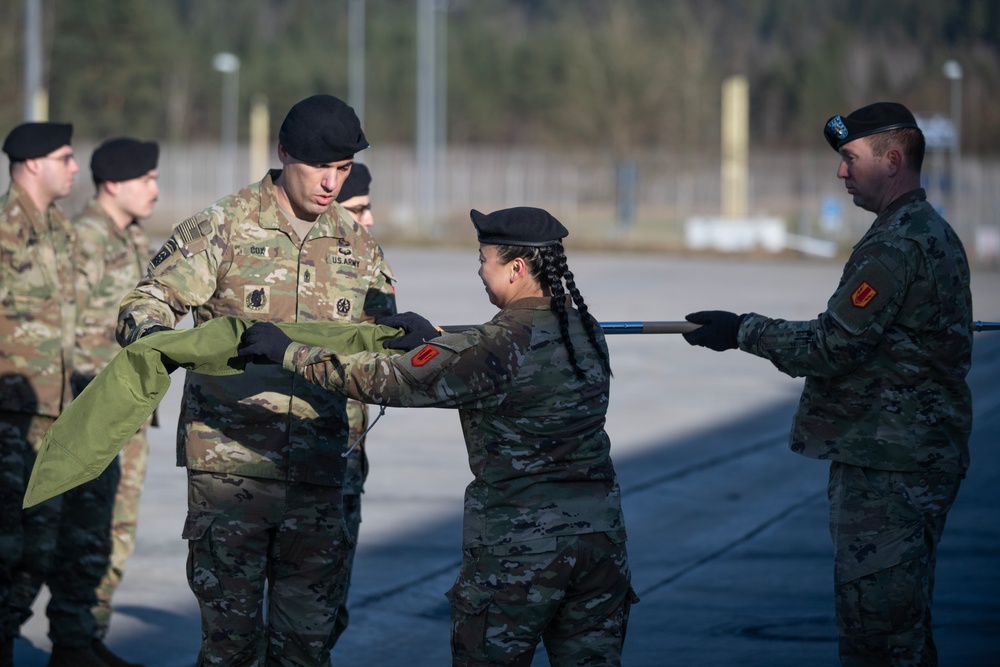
{"x": 469, "y": 605}
{"x": 201, "y": 565}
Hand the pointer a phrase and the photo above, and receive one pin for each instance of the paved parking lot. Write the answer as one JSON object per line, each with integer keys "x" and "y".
{"x": 728, "y": 541}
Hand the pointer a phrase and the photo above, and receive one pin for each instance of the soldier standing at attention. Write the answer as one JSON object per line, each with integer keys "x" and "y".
{"x": 264, "y": 449}
{"x": 356, "y": 201}
{"x": 885, "y": 397}
{"x": 111, "y": 255}
{"x": 37, "y": 318}
{"x": 544, "y": 540}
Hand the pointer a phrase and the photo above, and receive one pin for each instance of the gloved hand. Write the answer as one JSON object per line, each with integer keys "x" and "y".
{"x": 168, "y": 363}
{"x": 718, "y": 329}
{"x": 264, "y": 343}
{"x": 154, "y": 329}
{"x": 418, "y": 330}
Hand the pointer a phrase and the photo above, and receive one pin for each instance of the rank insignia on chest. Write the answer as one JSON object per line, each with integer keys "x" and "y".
{"x": 424, "y": 356}
{"x": 863, "y": 295}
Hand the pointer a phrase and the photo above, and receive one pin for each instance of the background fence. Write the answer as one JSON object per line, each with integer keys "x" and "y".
{"x": 583, "y": 189}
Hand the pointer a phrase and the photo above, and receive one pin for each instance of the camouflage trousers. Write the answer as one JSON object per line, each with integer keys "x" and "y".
{"x": 886, "y": 527}
{"x": 246, "y": 532}
{"x": 64, "y": 542}
{"x": 124, "y": 524}
{"x": 354, "y": 485}
{"x": 572, "y": 592}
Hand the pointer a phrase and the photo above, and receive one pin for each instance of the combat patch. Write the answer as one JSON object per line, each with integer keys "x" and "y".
{"x": 424, "y": 356}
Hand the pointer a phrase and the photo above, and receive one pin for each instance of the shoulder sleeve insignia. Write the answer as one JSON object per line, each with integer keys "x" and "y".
{"x": 863, "y": 295}
{"x": 424, "y": 356}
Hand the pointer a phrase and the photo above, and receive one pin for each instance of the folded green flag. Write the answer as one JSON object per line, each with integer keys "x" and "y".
{"x": 91, "y": 431}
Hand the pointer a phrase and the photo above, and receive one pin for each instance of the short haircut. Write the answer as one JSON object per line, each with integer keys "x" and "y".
{"x": 909, "y": 140}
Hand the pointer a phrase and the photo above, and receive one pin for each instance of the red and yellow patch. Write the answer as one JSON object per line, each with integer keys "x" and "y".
{"x": 863, "y": 295}
{"x": 423, "y": 357}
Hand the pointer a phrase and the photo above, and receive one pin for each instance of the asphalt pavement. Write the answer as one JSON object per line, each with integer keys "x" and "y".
{"x": 728, "y": 538}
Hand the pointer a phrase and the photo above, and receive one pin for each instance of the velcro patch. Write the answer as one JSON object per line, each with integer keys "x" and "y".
{"x": 191, "y": 229}
{"x": 858, "y": 303}
{"x": 424, "y": 356}
{"x": 169, "y": 248}
{"x": 863, "y": 295}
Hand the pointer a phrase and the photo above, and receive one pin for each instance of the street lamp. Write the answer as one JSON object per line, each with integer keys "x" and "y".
{"x": 229, "y": 65}
{"x": 952, "y": 70}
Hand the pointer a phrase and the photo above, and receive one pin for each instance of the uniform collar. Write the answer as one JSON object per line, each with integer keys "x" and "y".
{"x": 95, "y": 210}
{"x": 335, "y": 223}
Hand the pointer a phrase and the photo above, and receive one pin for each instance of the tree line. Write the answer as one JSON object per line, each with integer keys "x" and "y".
{"x": 628, "y": 75}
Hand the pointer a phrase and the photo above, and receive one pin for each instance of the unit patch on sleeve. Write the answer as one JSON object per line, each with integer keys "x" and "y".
{"x": 862, "y": 296}
{"x": 424, "y": 356}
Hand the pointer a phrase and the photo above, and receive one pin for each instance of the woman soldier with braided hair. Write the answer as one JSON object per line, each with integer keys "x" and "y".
{"x": 544, "y": 553}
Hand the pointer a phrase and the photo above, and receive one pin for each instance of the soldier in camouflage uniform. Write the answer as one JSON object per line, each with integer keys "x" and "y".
{"x": 264, "y": 449}
{"x": 111, "y": 255}
{"x": 544, "y": 536}
{"x": 62, "y": 541}
{"x": 885, "y": 397}
{"x": 356, "y": 200}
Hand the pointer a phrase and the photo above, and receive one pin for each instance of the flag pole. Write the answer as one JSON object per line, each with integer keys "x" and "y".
{"x": 671, "y": 327}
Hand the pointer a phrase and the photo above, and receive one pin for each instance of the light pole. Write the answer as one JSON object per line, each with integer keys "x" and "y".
{"x": 229, "y": 65}
{"x": 35, "y": 96}
{"x": 952, "y": 70}
{"x": 356, "y": 57}
{"x": 431, "y": 112}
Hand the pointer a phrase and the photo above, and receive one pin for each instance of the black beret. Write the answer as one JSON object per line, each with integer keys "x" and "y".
{"x": 872, "y": 119}
{"x": 322, "y": 129}
{"x": 522, "y": 225}
{"x": 33, "y": 140}
{"x": 356, "y": 183}
{"x": 123, "y": 159}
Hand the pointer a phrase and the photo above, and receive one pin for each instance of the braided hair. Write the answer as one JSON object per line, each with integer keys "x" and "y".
{"x": 548, "y": 266}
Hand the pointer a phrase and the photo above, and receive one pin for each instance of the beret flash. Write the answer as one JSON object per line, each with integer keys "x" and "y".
{"x": 872, "y": 119}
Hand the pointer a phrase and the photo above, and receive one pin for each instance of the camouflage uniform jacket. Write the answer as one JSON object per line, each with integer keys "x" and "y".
{"x": 241, "y": 257}
{"x": 110, "y": 261}
{"x": 535, "y": 434}
{"x": 37, "y": 306}
{"x": 885, "y": 364}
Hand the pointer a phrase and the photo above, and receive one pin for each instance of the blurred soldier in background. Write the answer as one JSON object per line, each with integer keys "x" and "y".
{"x": 355, "y": 199}
{"x": 354, "y": 195}
{"x": 885, "y": 397}
{"x": 112, "y": 253}
{"x": 264, "y": 449}
{"x": 62, "y": 541}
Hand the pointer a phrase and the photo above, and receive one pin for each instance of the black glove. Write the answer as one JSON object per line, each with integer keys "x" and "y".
{"x": 154, "y": 329}
{"x": 718, "y": 329}
{"x": 418, "y": 330}
{"x": 168, "y": 363}
{"x": 264, "y": 343}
